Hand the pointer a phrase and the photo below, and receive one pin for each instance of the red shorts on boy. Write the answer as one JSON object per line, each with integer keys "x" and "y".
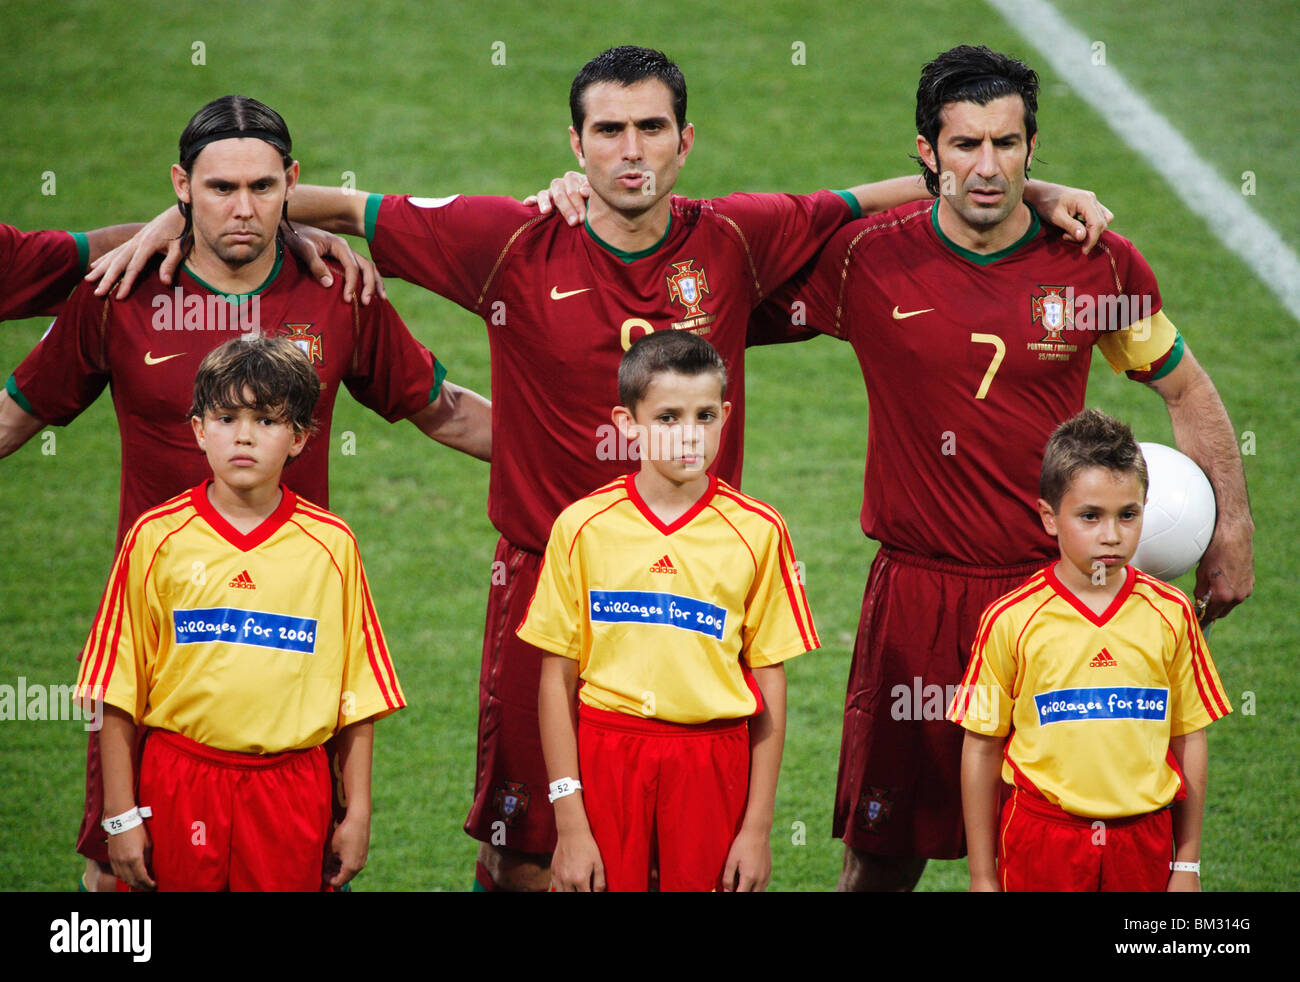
{"x": 232, "y": 821}
{"x": 1042, "y": 848}
{"x": 666, "y": 790}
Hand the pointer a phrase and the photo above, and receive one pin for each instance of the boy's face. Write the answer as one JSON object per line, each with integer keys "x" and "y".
{"x": 678, "y": 424}
{"x": 1098, "y": 523}
{"x": 247, "y": 448}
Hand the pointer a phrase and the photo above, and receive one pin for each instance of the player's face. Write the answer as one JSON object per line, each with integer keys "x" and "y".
{"x": 981, "y": 157}
{"x": 630, "y": 146}
{"x": 246, "y": 448}
{"x": 237, "y": 191}
{"x": 1098, "y": 524}
{"x": 678, "y": 424}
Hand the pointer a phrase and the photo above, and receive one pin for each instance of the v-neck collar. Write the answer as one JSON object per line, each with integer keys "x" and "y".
{"x": 1100, "y": 620}
{"x": 684, "y": 519}
{"x": 244, "y": 543}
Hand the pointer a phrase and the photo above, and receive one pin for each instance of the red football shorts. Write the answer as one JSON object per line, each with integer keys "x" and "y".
{"x": 899, "y": 786}
{"x": 665, "y": 792}
{"x": 510, "y": 784}
{"x": 91, "y": 837}
{"x": 230, "y": 821}
{"x": 1043, "y": 848}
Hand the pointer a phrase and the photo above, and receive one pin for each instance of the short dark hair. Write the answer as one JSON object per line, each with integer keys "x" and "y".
{"x": 628, "y": 65}
{"x": 223, "y": 119}
{"x": 276, "y": 372}
{"x": 665, "y": 351}
{"x": 970, "y": 74}
{"x": 1090, "y": 438}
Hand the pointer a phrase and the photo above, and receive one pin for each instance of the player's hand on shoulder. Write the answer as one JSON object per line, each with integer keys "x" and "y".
{"x": 349, "y": 849}
{"x": 1074, "y": 210}
{"x": 313, "y": 246}
{"x": 125, "y": 263}
{"x": 576, "y": 866}
{"x": 568, "y": 195}
{"x": 128, "y": 852}
{"x": 749, "y": 863}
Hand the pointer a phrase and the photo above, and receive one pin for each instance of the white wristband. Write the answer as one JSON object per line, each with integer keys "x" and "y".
{"x": 564, "y": 787}
{"x": 127, "y": 820}
{"x": 1186, "y": 867}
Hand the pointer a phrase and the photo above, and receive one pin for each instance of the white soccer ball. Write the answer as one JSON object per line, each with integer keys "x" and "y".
{"x": 1179, "y": 518}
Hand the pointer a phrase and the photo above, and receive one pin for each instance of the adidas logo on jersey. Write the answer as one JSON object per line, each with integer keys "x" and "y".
{"x": 664, "y": 565}
{"x": 1102, "y": 659}
{"x": 243, "y": 582}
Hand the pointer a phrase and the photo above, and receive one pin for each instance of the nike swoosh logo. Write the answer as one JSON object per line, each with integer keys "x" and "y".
{"x": 557, "y": 295}
{"x": 149, "y": 359}
{"x": 900, "y": 316}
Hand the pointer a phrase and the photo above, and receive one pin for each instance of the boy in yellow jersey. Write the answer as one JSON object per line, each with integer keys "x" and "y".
{"x": 675, "y": 600}
{"x": 1101, "y": 677}
{"x": 238, "y": 627}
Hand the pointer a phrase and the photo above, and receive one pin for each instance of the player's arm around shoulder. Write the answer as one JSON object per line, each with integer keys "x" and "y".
{"x": 576, "y": 865}
{"x": 749, "y": 862}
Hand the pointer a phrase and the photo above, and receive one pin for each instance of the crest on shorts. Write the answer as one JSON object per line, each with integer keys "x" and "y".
{"x": 688, "y": 287}
{"x": 511, "y": 801}
{"x": 1055, "y": 309}
{"x": 874, "y": 806}
{"x": 311, "y": 344}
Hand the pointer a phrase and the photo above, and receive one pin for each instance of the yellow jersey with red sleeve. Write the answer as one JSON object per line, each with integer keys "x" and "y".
{"x": 1091, "y": 700}
{"x": 665, "y": 621}
{"x": 255, "y": 643}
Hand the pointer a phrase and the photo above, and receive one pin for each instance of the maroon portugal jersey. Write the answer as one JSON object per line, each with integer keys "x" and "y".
{"x": 561, "y": 307}
{"x": 148, "y": 348}
{"x": 38, "y": 270}
{"x": 970, "y": 362}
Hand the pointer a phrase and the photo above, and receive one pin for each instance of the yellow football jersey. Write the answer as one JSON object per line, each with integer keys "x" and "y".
{"x": 1090, "y": 701}
{"x": 665, "y": 620}
{"x": 255, "y": 643}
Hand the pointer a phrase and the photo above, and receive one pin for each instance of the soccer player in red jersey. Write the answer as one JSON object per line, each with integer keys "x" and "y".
{"x": 232, "y": 189}
{"x": 39, "y": 269}
{"x": 974, "y": 330}
{"x": 561, "y": 305}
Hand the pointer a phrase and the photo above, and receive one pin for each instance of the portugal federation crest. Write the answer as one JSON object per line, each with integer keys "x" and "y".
{"x": 311, "y": 344}
{"x": 874, "y": 807}
{"x": 1055, "y": 309}
{"x": 688, "y": 287}
{"x": 511, "y": 801}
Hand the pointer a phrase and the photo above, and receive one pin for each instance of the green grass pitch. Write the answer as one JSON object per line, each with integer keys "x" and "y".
{"x": 784, "y": 96}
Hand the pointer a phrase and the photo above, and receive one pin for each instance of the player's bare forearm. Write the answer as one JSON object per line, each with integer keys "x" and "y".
{"x": 17, "y": 425}
{"x": 766, "y": 745}
{"x": 459, "y": 418}
{"x": 749, "y": 861}
{"x": 350, "y": 844}
{"x": 127, "y": 851}
{"x": 981, "y": 772}
{"x": 1192, "y": 751}
{"x": 576, "y": 865}
{"x": 339, "y": 210}
{"x": 1204, "y": 433}
{"x": 880, "y": 196}
{"x": 101, "y": 240}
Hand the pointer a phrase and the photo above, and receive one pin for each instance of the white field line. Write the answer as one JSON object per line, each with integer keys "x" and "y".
{"x": 1221, "y": 205}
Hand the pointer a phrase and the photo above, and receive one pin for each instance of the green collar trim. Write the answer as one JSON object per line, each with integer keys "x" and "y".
{"x": 238, "y": 298}
{"x": 986, "y": 258}
{"x": 622, "y": 255}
